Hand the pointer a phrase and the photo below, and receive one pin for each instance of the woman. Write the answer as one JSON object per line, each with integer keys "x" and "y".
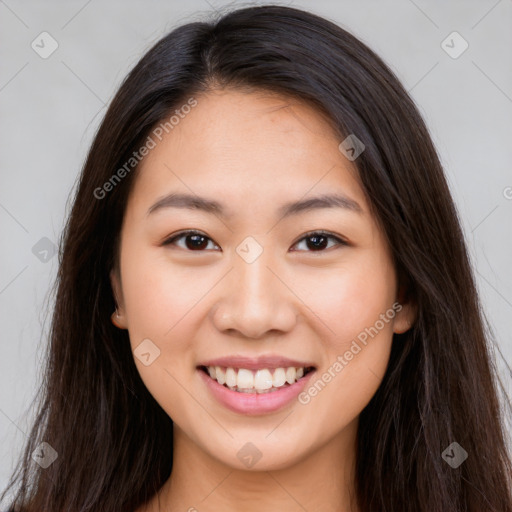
{"x": 264, "y": 294}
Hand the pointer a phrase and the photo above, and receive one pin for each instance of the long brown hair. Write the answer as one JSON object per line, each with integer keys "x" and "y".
{"x": 113, "y": 440}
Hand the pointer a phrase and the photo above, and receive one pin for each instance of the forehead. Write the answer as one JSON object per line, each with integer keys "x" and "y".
{"x": 254, "y": 147}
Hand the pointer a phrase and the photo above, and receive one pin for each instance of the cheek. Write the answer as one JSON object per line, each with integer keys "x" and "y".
{"x": 356, "y": 305}
{"x": 159, "y": 295}
{"x": 352, "y": 297}
{"x": 355, "y": 311}
{"x": 161, "y": 302}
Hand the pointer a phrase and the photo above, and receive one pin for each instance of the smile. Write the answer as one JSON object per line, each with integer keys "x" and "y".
{"x": 264, "y": 380}
{"x": 255, "y": 386}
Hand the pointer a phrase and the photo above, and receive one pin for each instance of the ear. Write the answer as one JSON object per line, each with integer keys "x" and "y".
{"x": 406, "y": 312}
{"x": 120, "y": 318}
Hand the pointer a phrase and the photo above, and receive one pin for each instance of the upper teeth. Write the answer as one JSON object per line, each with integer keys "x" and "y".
{"x": 242, "y": 379}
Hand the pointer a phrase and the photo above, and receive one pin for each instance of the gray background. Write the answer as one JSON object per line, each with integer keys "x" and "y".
{"x": 50, "y": 109}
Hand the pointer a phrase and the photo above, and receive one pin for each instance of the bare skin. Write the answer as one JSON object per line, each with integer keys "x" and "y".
{"x": 254, "y": 152}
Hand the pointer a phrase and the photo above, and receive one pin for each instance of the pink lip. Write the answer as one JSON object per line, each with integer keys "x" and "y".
{"x": 255, "y": 363}
{"x": 254, "y": 403}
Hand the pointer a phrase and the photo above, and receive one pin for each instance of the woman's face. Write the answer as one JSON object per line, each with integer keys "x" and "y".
{"x": 253, "y": 292}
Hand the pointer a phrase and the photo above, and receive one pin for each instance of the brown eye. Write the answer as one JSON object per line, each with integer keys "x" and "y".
{"x": 318, "y": 241}
{"x": 193, "y": 241}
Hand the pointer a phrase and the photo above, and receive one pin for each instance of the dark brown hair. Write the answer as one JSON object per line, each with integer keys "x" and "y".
{"x": 114, "y": 442}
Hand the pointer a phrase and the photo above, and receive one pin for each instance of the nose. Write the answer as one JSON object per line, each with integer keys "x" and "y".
{"x": 255, "y": 300}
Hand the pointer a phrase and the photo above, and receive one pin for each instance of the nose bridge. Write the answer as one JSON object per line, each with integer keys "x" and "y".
{"x": 255, "y": 300}
{"x": 255, "y": 281}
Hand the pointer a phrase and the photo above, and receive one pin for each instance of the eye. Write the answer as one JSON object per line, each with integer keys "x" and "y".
{"x": 194, "y": 240}
{"x": 318, "y": 241}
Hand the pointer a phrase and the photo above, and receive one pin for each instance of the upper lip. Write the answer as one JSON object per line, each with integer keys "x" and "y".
{"x": 256, "y": 363}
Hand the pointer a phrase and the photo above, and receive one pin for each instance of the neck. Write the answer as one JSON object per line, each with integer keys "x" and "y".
{"x": 323, "y": 480}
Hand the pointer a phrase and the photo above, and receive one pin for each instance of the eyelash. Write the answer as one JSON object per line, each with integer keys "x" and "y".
{"x": 310, "y": 234}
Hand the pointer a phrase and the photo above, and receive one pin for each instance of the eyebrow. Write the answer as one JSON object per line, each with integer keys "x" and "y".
{"x": 194, "y": 202}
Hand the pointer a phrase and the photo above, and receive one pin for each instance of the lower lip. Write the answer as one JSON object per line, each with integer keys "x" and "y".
{"x": 255, "y": 403}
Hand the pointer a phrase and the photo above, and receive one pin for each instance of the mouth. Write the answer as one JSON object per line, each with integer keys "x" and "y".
{"x": 255, "y": 385}
{"x": 256, "y": 381}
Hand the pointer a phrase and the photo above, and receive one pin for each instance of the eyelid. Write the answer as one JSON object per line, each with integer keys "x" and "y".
{"x": 321, "y": 232}
{"x": 179, "y": 234}
{"x": 328, "y": 234}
